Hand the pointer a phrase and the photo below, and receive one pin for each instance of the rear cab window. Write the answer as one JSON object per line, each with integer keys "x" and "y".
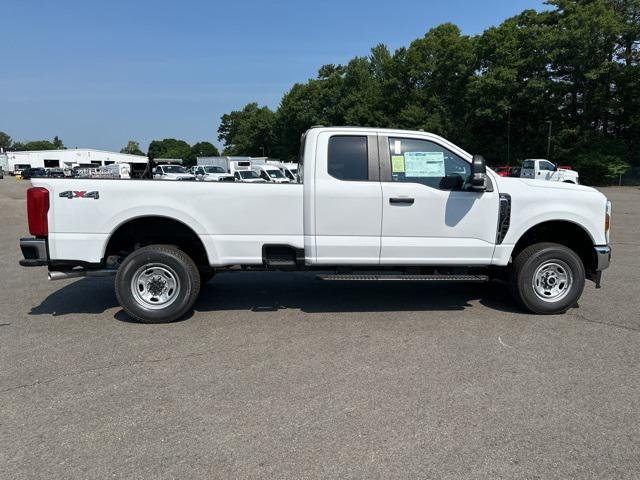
{"x": 348, "y": 158}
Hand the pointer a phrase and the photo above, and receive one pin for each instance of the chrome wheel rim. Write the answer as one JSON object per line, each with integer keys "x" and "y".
{"x": 155, "y": 286}
{"x": 552, "y": 281}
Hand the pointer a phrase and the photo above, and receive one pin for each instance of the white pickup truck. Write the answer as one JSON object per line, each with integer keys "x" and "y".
{"x": 371, "y": 204}
{"x": 540, "y": 169}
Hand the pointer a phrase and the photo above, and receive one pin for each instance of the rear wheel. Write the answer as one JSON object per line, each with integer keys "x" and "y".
{"x": 157, "y": 284}
{"x": 547, "y": 278}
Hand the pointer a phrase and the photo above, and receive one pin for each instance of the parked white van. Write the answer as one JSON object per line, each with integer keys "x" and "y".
{"x": 172, "y": 172}
{"x": 270, "y": 173}
{"x": 248, "y": 176}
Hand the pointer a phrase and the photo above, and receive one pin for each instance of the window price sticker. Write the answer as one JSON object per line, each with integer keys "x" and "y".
{"x": 424, "y": 164}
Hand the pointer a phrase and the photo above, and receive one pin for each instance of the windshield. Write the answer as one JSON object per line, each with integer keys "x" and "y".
{"x": 174, "y": 169}
{"x": 275, "y": 173}
{"x": 246, "y": 174}
{"x": 529, "y": 164}
{"x": 213, "y": 169}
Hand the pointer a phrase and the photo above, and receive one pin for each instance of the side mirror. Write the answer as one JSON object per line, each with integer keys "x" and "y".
{"x": 478, "y": 173}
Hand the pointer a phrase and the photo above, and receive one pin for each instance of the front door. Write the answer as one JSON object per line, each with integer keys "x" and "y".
{"x": 430, "y": 216}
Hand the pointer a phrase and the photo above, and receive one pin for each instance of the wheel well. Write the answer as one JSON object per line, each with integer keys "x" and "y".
{"x": 144, "y": 231}
{"x": 565, "y": 233}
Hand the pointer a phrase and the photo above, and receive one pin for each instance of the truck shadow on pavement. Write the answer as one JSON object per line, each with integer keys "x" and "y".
{"x": 273, "y": 291}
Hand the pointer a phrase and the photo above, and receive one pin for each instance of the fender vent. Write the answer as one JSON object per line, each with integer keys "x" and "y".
{"x": 504, "y": 217}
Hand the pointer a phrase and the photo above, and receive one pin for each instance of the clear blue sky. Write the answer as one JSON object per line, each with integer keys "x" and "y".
{"x": 100, "y": 73}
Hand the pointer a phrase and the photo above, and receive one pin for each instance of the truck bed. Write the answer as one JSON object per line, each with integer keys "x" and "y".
{"x": 80, "y": 224}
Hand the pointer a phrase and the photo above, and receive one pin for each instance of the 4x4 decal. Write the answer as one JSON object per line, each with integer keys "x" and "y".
{"x": 80, "y": 194}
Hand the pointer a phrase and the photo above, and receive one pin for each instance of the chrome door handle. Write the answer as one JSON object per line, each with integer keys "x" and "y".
{"x": 401, "y": 201}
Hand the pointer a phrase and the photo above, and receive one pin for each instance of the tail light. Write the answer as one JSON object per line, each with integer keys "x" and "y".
{"x": 37, "y": 209}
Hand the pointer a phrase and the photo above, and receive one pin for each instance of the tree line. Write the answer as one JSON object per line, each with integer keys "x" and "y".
{"x": 7, "y": 144}
{"x": 564, "y": 81}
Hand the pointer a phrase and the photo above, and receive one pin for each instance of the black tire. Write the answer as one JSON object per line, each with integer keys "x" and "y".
{"x": 542, "y": 256}
{"x": 163, "y": 263}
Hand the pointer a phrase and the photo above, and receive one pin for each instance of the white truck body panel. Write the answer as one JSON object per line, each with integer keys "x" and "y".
{"x": 233, "y": 220}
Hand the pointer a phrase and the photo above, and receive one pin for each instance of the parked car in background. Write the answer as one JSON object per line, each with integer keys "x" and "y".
{"x": 172, "y": 172}
{"x": 18, "y": 167}
{"x": 503, "y": 171}
{"x": 29, "y": 173}
{"x": 115, "y": 170}
{"x": 55, "y": 172}
{"x": 289, "y": 169}
{"x": 270, "y": 173}
{"x": 248, "y": 176}
{"x": 1, "y": 173}
{"x": 514, "y": 172}
{"x": 541, "y": 169}
{"x": 507, "y": 171}
{"x": 211, "y": 173}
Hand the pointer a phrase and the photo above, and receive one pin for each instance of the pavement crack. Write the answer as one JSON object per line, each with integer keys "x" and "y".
{"x": 609, "y": 324}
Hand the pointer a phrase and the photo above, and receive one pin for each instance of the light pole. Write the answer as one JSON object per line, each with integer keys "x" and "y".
{"x": 550, "y": 122}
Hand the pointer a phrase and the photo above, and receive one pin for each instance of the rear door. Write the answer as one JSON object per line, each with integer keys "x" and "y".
{"x": 348, "y": 199}
{"x": 430, "y": 216}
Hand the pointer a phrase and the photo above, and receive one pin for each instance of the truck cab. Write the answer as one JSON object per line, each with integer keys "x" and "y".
{"x": 541, "y": 169}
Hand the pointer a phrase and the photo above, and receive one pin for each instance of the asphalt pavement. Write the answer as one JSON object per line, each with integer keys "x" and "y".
{"x": 279, "y": 375}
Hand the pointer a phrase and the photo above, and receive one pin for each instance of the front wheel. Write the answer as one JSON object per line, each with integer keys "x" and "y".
{"x": 157, "y": 284}
{"x": 547, "y": 278}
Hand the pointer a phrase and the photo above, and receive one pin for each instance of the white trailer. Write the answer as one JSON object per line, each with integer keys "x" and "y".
{"x": 70, "y": 158}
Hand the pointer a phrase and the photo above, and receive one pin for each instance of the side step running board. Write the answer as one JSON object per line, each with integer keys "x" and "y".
{"x": 405, "y": 278}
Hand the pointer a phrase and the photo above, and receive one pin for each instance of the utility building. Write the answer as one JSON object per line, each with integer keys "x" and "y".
{"x": 70, "y": 158}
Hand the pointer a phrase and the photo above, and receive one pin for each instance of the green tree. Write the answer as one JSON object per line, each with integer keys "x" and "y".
{"x": 169, "y": 148}
{"x": 132, "y": 148}
{"x": 5, "y": 141}
{"x": 34, "y": 145}
{"x": 57, "y": 143}
{"x": 249, "y": 131}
